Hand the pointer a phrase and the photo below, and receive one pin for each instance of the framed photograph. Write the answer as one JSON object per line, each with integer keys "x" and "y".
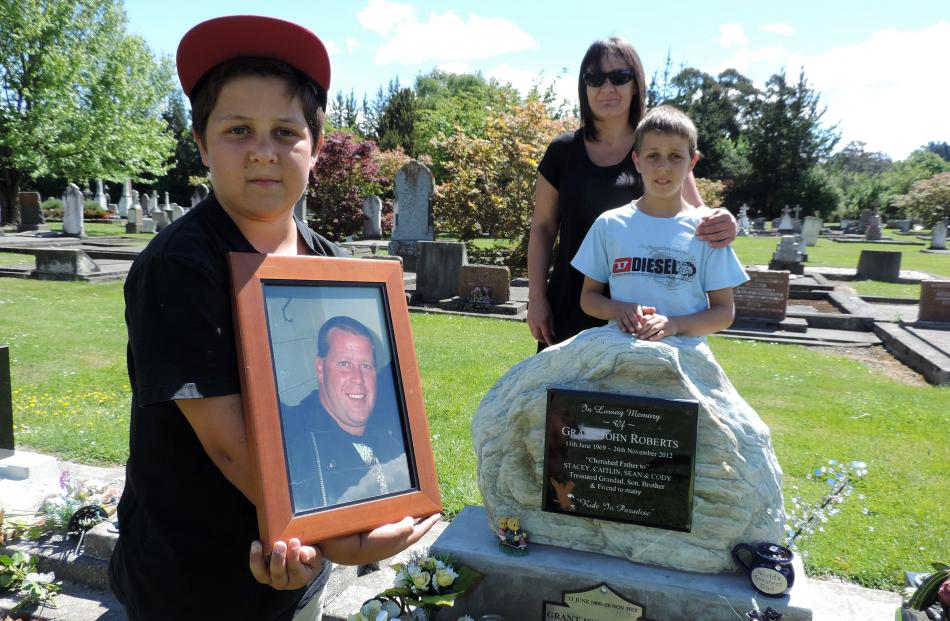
{"x": 332, "y": 398}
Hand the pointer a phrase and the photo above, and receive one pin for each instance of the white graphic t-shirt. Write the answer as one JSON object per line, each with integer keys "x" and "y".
{"x": 657, "y": 262}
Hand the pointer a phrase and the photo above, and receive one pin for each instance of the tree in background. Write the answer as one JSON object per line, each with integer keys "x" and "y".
{"x": 344, "y": 114}
{"x": 397, "y": 121}
{"x": 786, "y": 140}
{"x": 79, "y": 98}
{"x": 928, "y": 199}
{"x": 347, "y": 173}
{"x": 940, "y": 148}
{"x": 186, "y": 161}
{"x": 488, "y": 188}
{"x": 711, "y": 192}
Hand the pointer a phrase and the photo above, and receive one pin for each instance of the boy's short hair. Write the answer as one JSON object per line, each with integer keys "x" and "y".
{"x": 666, "y": 120}
{"x": 204, "y": 95}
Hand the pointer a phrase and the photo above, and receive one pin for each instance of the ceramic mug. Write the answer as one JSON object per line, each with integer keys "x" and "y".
{"x": 769, "y": 567}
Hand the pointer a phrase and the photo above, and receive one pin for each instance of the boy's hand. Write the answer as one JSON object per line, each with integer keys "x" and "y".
{"x": 291, "y": 566}
{"x": 630, "y": 316}
{"x": 378, "y": 544}
{"x": 655, "y": 327}
{"x": 718, "y": 228}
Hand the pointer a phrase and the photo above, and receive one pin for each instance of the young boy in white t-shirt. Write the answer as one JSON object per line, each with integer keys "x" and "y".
{"x": 664, "y": 282}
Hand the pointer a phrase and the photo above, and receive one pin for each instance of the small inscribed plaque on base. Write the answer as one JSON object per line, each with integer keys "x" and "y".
{"x": 600, "y": 603}
{"x": 620, "y": 457}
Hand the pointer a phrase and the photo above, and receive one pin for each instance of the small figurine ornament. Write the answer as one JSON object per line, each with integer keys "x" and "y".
{"x": 511, "y": 539}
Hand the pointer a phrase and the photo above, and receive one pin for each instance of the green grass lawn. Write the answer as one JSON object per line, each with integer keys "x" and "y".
{"x": 102, "y": 229}
{"x": 71, "y": 399}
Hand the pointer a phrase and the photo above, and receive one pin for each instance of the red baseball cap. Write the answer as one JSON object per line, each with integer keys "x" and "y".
{"x": 217, "y": 40}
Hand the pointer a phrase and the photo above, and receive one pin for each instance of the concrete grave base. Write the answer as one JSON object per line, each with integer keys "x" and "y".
{"x": 517, "y": 587}
{"x": 461, "y": 304}
{"x": 63, "y": 264}
{"x": 26, "y": 479}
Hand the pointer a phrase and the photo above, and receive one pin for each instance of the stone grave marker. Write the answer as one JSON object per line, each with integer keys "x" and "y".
{"x": 414, "y": 189}
{"x": 744, "y": 224}
{"x": 372, "y": 217}
{"x": 72, "y": 211}
{"x": 873, "y": 231}
{"x": 879, "y": 265}
{"x": 160, "y": 218}
{"x": 201, "y": 192}
{"x": 810, "y": 230}
{"x": 938, "y": 236}
{"x": 934, "y": 301}
{"x": 144, "y": 201}
{"x": 786, "y": 225}
{"x": 31, "y": 213}
{"x": 101, "y": 197}
{"x": 437, "y": 269}
{"x": 788, "y": 256}
{"x": 759, "y": 224}
{"x": 148, "y": 225}
{"x": 63, "y": 264}
{"x": 134, "y": 225}
{"x": 763, "y": 296}
{"x": 125, "y": 201}
{"x": 6, "y": 400}
{"x": 177, "y": 211}
{"x": 863, "y": 220}
{"x": 489, "y": 284}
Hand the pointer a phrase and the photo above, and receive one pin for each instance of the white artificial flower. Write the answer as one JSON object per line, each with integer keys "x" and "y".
{"x": 445, "y": 577}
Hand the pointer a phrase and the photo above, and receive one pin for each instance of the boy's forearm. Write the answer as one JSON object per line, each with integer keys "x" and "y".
{"x": 709, "y": 321}
{"x": 598, "y": 305}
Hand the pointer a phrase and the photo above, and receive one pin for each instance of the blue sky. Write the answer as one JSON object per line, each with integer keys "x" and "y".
{"x": 881, "y": 68}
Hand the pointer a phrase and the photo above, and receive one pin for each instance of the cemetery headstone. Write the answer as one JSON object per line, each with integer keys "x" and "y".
{"x": 414, "y": 189}
{"x": 863, "y": 220}
{"x": 168, "y": 204}
{"x": 810, "y": 230}
{"x": 518, "y": 434}
{"x": 485, "y": 283}
{"x": 934, "y": 301}
{"x": 788, "y": 256}
{"x": 72, "y": 211}
{"x": 372, "y": 217}
{"x": 201, "y": 192}
{"x": 785, "y": 224}
{"x": 125, "y": 202}
{"x": 177, "y": 211}
{"x": 101, "y": 197}
{"x": 148, "y": 225}
{"x": 160, "y": 218}
{"x": 744, "y": 224}
{"x": 873, "y": 232}
{"x": 6, "y": 400}
{"x": 763, "y": 296}
{"x": 938, "y": 236}
{"x": 437, "y": 269}
{"x": 759, "y": 224}
{"x": 134, "y": 225}
{"x": 31, "y": 213}
{"x": 879, "y": 265}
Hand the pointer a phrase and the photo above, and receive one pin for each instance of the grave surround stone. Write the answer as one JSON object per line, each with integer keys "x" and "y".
{"x": 31, "y": 212}
{"x": 764, "y": 296}
{"x": 63, "y": 264}
{"x": 72, "y": 211}
{"x": 437, "y": 269}
{"x": 372, "y": 217}
{"x": 938, "y": 236}
{"x": 934, "y": 301}
{"x": 484, "y": 283}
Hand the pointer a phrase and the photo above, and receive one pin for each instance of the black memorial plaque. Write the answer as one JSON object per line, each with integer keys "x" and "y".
{"x": 620, "y": 457}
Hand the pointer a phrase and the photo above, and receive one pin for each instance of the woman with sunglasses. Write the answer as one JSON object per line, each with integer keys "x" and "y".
{"x": 583, "y": 174}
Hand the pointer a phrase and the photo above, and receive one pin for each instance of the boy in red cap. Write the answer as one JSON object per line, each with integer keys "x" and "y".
{"x": 258, "y": 90}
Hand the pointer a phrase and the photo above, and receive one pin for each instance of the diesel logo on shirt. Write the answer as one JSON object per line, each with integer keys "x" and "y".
{"x": 649, "y": 265}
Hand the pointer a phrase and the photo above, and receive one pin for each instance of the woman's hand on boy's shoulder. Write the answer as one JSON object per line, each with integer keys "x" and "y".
{"x": 718, "y": 227}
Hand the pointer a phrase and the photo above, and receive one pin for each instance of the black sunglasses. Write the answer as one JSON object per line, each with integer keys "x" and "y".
{"x": 596, "y": 79}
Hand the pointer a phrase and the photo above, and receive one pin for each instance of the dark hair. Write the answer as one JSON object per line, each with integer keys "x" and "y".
{"x": 596, "y": 53}
{"x": 666, "y": 120}
{"x": 346, "y": 324}
{"x": 204, "y": 96}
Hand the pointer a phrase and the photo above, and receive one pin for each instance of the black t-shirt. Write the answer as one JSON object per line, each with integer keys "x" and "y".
{"x": 185, "y": 531}
{"x": 585, "y": 190}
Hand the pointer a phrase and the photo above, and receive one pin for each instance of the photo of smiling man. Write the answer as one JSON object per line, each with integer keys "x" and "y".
{"x": 343, "y": 441}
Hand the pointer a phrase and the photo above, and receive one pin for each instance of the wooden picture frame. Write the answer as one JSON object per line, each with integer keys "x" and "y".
{"x": 325, "y": 430}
